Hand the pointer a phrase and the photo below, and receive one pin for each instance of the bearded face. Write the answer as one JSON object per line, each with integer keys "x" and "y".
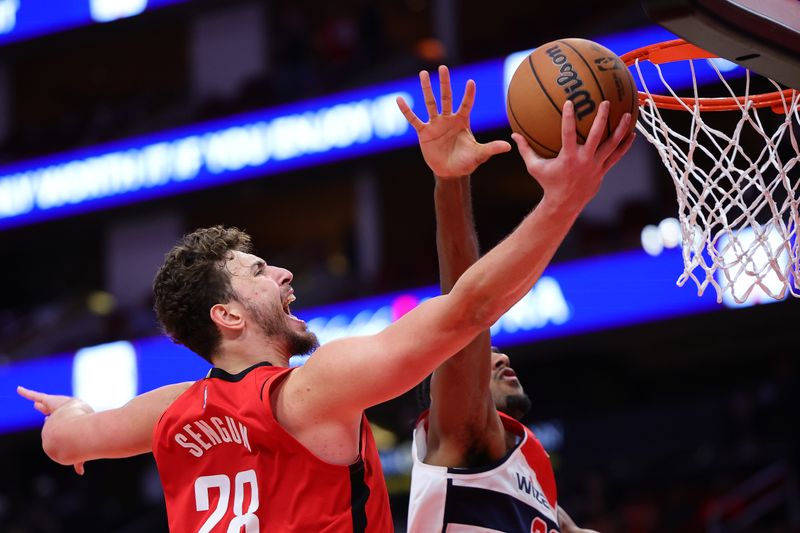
{"x": 277, "y": 323}
{"x": 265, "y": 292}
{"x": 507, "y": 392}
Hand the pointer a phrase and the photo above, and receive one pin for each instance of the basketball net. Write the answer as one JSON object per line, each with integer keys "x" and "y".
{"x": 738, "y": 209}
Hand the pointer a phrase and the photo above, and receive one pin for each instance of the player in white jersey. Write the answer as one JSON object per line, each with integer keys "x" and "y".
{"x": 476, "y": 467}
{"x": 515, "y": 492}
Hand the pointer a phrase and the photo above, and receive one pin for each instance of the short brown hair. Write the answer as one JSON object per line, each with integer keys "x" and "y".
{"x": 193, "y": 279}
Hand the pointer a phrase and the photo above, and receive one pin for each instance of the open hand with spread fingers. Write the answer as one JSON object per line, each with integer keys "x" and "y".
{"x": 448, "y": 145}
{"x": 573, "y": 178}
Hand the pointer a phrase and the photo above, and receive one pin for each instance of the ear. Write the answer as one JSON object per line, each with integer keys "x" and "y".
{"x": 228, "y": 317}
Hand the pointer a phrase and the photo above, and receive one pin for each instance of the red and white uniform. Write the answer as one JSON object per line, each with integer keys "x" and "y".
{"x": 515, "y": 494}
{"x": 228, "y": 466}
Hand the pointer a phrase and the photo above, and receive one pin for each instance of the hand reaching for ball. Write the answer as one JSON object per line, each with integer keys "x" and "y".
{"x": 574, "y": 176}
{"x": 447, "y": 143}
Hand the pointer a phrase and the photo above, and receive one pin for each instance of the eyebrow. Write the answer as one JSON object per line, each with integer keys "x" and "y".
{"x": 258, "y": 265}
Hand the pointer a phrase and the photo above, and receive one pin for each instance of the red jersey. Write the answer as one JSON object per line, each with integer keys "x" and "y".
{"x": 227, "y": 465}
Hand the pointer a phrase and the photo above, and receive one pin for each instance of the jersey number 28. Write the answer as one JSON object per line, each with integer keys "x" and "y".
{"x": 248, "y": 520}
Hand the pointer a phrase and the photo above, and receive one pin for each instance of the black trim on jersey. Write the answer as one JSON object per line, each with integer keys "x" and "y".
{"x": 218, "y": 373}
{"x": 481, "y": 469}
{"x": 473, "y": 506}
{"x": 261, "y": 394}
{"x": 359, "y": 494}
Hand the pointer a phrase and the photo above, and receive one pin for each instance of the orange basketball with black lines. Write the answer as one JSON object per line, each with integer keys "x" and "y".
{"x": 576, "y": 69}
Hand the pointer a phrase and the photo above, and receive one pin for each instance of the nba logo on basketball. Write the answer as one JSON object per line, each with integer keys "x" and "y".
{"x": 108, "y": 10}
{"x": 604, "y": 64}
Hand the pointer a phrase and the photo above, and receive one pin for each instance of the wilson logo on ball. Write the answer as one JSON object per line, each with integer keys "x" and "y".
{"x": 569, "y": 69}
{"x": 571, "y": 83}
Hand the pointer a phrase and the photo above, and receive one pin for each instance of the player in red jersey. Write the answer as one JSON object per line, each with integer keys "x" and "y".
{"x": 473, "y": 466}
{"x": 246, "y": 446}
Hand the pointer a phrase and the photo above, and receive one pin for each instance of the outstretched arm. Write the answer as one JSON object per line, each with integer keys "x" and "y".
{"x": 463, "y": 417}
{"x": 346, "y": 376}
{"x": 73, "y": 433}
{"x": 462, "y": 413}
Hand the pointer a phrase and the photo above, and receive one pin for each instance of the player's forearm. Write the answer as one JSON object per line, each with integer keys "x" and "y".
{"x": 74, "y": 433}
{"x": 421, "y": 340}
{"x": 457, "y": 248}
{"x": 503, "y": 276}
{"x": 456, "y": 241}
{"x": 63, "y": 435}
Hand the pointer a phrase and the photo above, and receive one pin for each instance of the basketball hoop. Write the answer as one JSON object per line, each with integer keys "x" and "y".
{"x": 738, "y": 185}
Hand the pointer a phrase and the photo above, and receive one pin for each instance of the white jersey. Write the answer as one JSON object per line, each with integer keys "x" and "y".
{"x": 515, "y": 494}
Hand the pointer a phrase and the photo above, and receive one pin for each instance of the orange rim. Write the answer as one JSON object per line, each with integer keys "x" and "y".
{"x": 680, "y": 50}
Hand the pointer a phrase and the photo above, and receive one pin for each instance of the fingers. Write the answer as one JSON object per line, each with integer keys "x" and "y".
{"x": 491, "y": 149}
{"x": 598, "y": 127}
{"x": 412, "y": 119}
{"x": 42, "y": 408}
{"x": 41, "y": 401}
{"x": 616, "y": 138}
{"x": 29, "y": 394}
{"x": 569, "y": 134}
{"x": 445, "y": 90}
{"x": 496, "y": 147}
{"x": 620, "y": 151}
{"x": 469, "y": 99}
{"x": 427, "y": 93}
{"x": 532, "y": 159}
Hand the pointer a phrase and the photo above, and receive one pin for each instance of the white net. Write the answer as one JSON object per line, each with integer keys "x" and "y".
{"x": 737, "y": 186}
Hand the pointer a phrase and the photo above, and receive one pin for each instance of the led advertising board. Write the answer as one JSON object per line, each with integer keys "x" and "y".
{"x": 257, "y": 144}
{"x": 25, "y": 19}
{"x": 569, "y": 299}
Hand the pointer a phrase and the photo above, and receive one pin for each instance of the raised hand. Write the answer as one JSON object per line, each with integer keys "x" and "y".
{"x": 447, "y": 143}
{"x": 47, "y": 404}
{"x": 574, "y": 177}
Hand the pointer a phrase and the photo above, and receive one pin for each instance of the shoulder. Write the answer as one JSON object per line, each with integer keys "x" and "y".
{"x": 466, "y": 449}
{"x": 178, "y": 393}
{"x": 272, "y": 382}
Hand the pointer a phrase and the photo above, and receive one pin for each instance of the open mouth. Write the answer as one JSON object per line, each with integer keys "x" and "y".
{"x": 286, "y": 302}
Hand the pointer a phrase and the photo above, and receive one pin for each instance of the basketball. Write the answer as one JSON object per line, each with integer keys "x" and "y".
{"x": 575, "y": 69}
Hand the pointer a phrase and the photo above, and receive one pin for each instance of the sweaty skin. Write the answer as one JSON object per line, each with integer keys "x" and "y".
{"x": 464, "y": 429}
{"x": 310, "y": 403}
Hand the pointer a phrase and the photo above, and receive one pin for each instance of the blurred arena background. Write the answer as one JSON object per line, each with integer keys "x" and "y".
{"x": 124, "y": 124}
